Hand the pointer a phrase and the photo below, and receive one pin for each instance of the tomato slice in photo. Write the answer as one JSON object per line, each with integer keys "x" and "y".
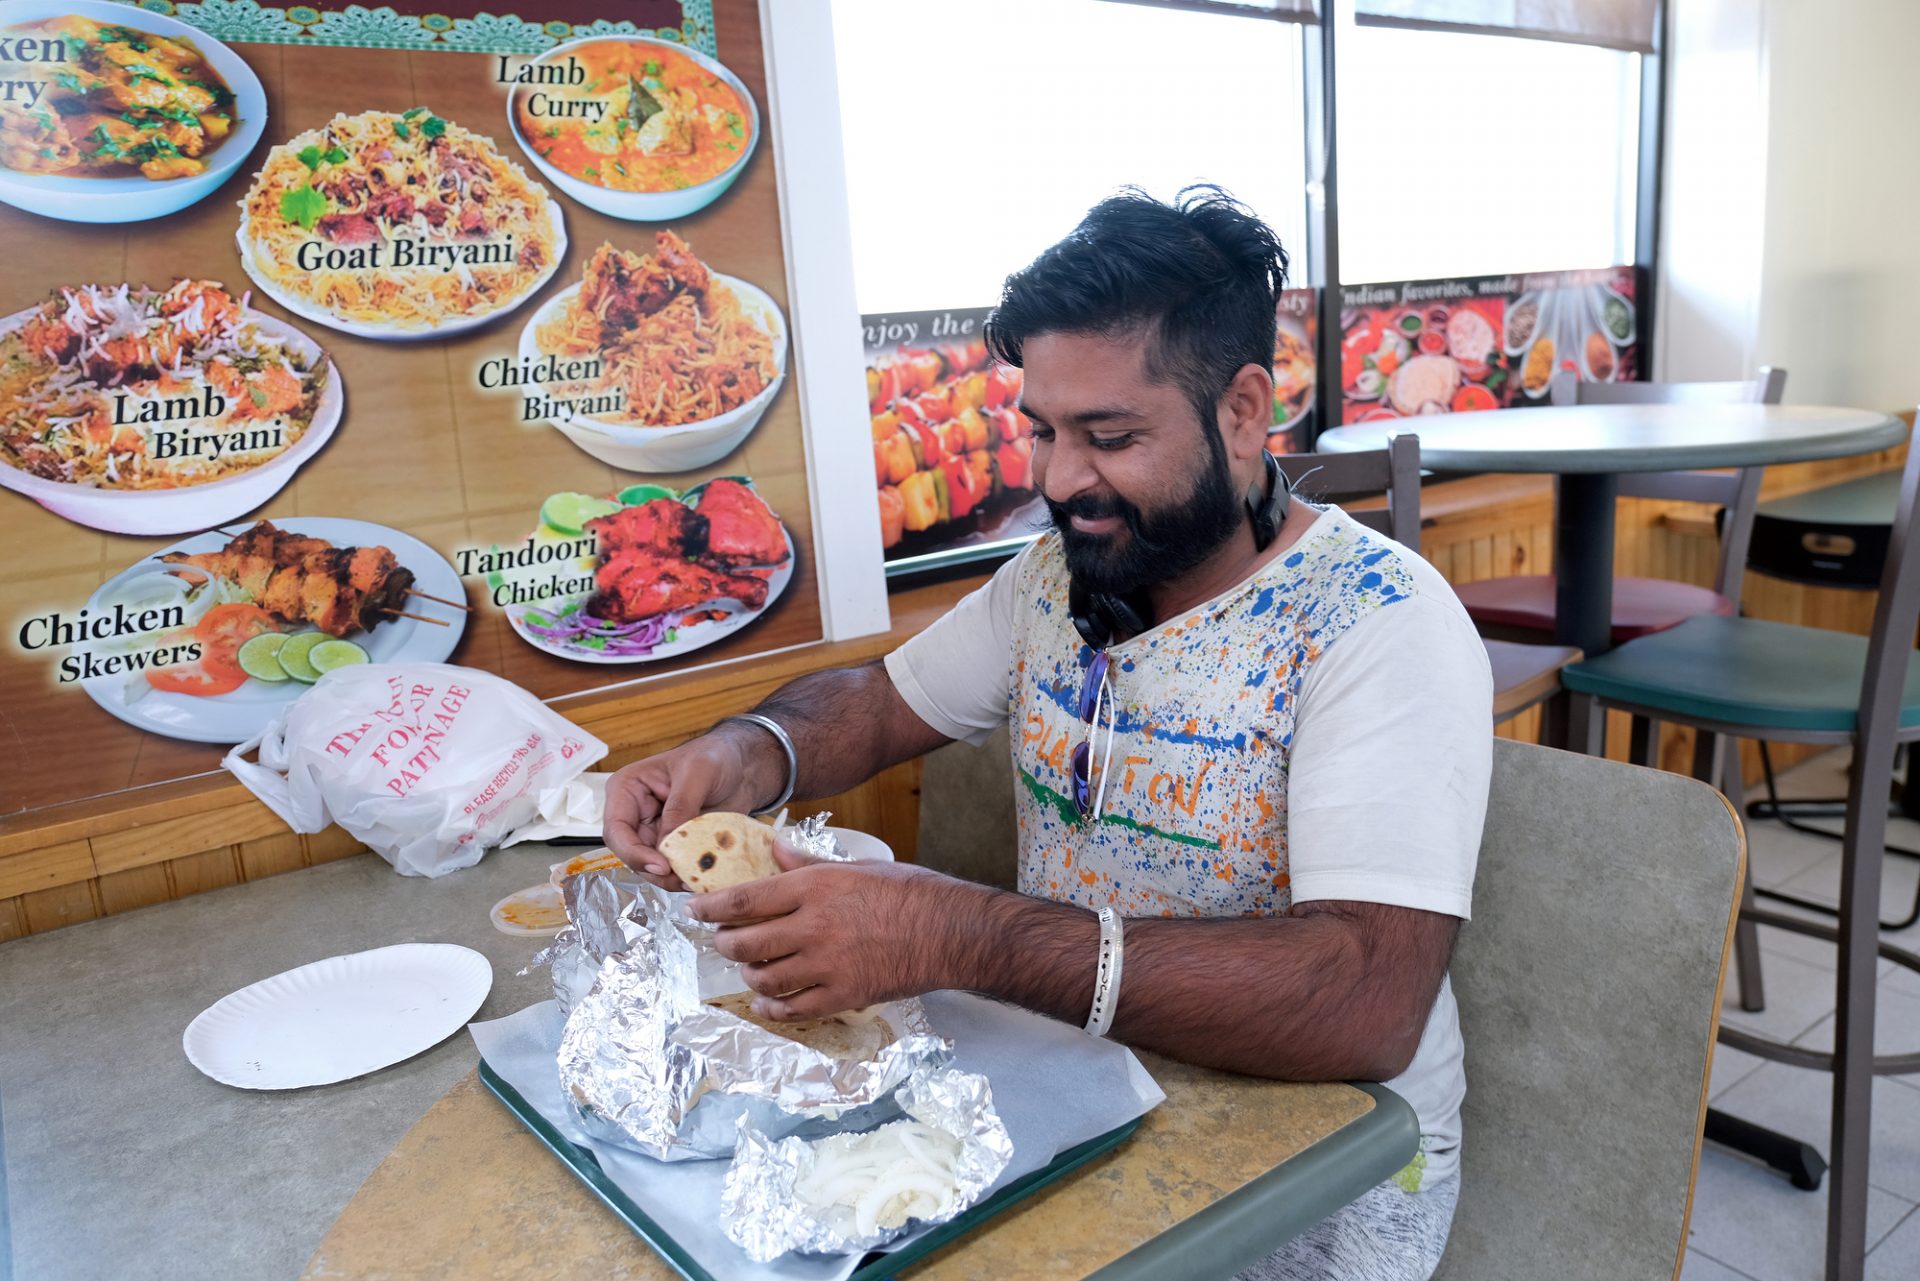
{"x": 227, "y": 627}
{"x": 203, "y": 679}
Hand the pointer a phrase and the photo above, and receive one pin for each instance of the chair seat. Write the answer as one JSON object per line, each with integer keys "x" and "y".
{"x": 1742, "y": 671}
{"x": 1525, "y": 674}
{"x": 1641, "y": 606}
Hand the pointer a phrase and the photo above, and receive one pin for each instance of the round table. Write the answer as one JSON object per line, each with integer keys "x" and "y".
{"x": 1589, "y": 446}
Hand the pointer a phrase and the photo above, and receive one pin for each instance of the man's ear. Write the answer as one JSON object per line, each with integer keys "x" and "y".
{"x": 1246, "y": 412}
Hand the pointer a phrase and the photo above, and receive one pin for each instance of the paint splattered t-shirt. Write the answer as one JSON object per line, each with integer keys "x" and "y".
{"x": 1322, "y": 730}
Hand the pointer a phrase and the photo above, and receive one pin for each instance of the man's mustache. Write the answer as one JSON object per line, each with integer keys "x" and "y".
{"x": 1094, "y": 507}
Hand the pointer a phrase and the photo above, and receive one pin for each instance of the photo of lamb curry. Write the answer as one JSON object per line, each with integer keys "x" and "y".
{"x": 104, "y": 100}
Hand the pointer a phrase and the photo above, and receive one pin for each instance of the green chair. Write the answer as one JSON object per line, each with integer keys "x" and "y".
{"x": 1588, "y": 1049}
{"x": 1735, "y": 678}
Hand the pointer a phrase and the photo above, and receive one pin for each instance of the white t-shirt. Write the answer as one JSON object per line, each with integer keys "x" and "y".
{"x": 1322, "y": 730}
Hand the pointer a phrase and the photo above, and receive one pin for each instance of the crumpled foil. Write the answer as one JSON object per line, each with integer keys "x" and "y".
{"x": 764, "y": 1214}
{"x": 640, "y": 1051}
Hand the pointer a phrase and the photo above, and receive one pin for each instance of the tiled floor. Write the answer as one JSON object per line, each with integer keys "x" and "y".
{"x": 1747, "y": 1221}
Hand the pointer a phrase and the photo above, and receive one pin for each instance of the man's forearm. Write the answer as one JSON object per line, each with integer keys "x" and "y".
{"x": 845, "y": 726}
{"x": 1315, "y": 996}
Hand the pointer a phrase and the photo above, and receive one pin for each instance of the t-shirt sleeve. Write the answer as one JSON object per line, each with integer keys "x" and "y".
{"x": 1392, "y": 752}
{"x": 956, "y": 675}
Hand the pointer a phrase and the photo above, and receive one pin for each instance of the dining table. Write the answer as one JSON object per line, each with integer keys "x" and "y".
{"x": 1590, "y": 446}
{"x": 119, "y": 1159}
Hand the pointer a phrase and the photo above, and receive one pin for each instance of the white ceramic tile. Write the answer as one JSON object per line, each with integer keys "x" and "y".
{"x": 1798, "y": 996}
{"x": 1821, "y": 883}
{"x": 1806, "y": 949}
{"x": 1899, "y": 978}
{"x": 1799, "y": 1102}
{"x": 1730, "y": 1067}
{"x": 1896, "y": 1025}
{"x": 1897, "y": 1257}
{"x": 1750, "y": 1219}
{"x": 1698, "y": 1267}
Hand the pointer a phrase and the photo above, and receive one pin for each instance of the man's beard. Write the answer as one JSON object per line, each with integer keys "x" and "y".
{"x": 1158, "y": 546}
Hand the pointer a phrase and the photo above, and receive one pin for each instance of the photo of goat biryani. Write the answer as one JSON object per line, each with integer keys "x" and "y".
{"x": 648, "y": 575}
{"x": 397, "y": 224}
{"x": 123, "y": 388}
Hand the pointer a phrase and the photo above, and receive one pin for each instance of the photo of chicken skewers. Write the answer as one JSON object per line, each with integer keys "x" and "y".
{"x": 670, "y": 571}
{"x": 301, "y": 580}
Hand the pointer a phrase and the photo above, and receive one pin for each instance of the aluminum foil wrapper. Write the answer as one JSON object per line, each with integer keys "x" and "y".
{"x": 810, "y": 836}
{"x": 646, "y": 1065}
{"x": 764, "y": 1212}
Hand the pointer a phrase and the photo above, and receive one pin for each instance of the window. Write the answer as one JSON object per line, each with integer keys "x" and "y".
{"x": 977, "y": 132}
{"x": 1473, "y": 155}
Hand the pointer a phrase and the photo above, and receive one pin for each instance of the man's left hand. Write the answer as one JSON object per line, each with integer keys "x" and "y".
{"x": 825, "y": 937}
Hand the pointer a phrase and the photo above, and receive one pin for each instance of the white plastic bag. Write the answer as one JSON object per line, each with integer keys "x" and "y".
{"x": 430, "y": 765}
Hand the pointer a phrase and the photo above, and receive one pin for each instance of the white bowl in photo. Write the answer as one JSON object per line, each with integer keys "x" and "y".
{"x": 191, "y": 507}
{"x": 134, "y": 198}
{"x": 640, "y": 206}
{"x": 670, "y": 449}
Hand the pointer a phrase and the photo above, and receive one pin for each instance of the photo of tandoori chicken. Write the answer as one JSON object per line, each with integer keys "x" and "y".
{"x": 663, "y": 556}
{"x": 299, "y": 580}
{"x": 117, "y": 101}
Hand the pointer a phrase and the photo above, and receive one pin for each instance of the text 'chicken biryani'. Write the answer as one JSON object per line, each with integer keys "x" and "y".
{"x": 128, "y": 388}
{"x": 672, "y": 336}
{"x": 398, "y": 220}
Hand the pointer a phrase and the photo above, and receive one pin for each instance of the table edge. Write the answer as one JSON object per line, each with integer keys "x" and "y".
{"x": 1292, "y": 1197}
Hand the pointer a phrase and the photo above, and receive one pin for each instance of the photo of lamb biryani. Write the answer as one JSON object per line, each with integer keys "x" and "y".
{"x": 661, "y": 574}
{"x": 117, "y": 400}
{"x": 396, "y": 225}
{"x": 688, "y": 360}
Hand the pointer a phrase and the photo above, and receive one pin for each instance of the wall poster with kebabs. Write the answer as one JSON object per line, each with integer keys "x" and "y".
{"x": 381, "y": 334}
{"x": 953, "y": 454}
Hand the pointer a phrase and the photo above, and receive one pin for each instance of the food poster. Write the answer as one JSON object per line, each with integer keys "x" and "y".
{"x": 952, "y": 454}
{"x": 1483, "y": 342}
{"x": 470, "y": 348}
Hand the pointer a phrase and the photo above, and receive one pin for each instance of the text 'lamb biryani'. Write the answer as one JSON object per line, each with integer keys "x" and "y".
{"x": 398, "y": 220}
{"x": 119, "y": 387}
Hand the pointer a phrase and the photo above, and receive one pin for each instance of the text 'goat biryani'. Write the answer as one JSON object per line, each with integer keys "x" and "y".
{"x": 398, "y": 221}
{"x": 119, "y": 387}
{"x": 671, "y": 335}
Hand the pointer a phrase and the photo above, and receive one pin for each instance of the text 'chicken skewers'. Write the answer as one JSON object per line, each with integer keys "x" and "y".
{"x": 308, "y": 580}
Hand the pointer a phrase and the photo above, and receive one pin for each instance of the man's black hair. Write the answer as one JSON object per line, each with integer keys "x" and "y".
{"x": 1199, "y": 276}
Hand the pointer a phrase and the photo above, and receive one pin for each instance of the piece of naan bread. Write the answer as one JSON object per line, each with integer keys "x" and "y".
{"x": 856, "y": 1034}
{"x": 718, "y": 850}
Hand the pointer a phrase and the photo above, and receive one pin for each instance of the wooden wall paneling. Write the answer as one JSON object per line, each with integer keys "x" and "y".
{"x": 210, "y": 870}
{"x": 190, "y": 834}
{"x": 266, "y": 855}
{"x": 13, "y": 923}
{"x": 325, "y": 847}
{"x": 64, "y": 905}
{"x": 135, "y": 887}
{"x": 42, "y": 869}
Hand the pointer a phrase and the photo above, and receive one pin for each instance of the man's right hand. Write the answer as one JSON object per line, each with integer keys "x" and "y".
{"x": 734, "y": 766}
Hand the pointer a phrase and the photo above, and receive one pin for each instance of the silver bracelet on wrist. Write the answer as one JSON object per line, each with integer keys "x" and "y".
{"x": 1106, "y": 980}
{"x": 779, "y": 733}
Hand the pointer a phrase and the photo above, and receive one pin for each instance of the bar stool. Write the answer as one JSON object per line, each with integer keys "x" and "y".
{"x": 1749, "y": 678}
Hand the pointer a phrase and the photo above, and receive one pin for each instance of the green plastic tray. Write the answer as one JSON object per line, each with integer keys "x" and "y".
{"x": 874, "y": 1268}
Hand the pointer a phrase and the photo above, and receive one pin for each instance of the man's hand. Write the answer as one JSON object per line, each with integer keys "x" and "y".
{"x": 825, "y": 937}
{"x": 730, "y": 767}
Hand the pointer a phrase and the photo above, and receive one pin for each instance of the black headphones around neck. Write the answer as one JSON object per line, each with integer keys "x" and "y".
{"x": 1099, "y": 617}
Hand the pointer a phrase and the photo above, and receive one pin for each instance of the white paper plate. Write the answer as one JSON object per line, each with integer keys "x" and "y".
{"x": 544, "y": 897}
{"x": 339, "y": 1018}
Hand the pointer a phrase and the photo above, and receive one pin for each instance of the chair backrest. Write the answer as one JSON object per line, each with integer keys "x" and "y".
{"x": 1394, "y": 471}
{"x": 1589, "y": 984}
{"x": 1737, "y": 491}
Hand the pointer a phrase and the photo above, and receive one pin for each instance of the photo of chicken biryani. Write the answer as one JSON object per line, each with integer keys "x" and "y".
{"x": 686, "y": 360}
{"x": 658, "y": 573}
{"x": 123, "y": 389}
{"x": 397, "y": 224}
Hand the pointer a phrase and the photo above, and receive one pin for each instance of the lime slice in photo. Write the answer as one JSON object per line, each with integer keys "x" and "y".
{"x": 569, "y": 512}
{"x": 295, "y": 656}
{"x": 260, "y": 657}
{"x": 634, "y": 495}
{"x": 330, "y": 654}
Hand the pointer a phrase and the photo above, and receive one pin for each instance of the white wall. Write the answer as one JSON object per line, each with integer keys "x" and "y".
{"x": 1792, "y": 177}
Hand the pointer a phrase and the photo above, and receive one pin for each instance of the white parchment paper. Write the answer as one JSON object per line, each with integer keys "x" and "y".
{"x": 1053, "y": 1085}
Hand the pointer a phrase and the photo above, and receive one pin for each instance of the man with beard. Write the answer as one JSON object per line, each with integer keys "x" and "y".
{"x": 1251, "y": 738}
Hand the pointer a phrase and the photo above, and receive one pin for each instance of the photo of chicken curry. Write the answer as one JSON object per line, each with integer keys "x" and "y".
{"x": 111, "y": 101}
{"x": 632, "y": 116}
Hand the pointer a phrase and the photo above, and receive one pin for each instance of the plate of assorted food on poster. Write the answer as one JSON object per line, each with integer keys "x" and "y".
{"x": 256, "y": 613}
{"x": 1436, "y": 358}
{"x": 662, "y": 572}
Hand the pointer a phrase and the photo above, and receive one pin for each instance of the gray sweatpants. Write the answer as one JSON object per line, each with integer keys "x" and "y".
{"x": 1387, "y": 1235}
